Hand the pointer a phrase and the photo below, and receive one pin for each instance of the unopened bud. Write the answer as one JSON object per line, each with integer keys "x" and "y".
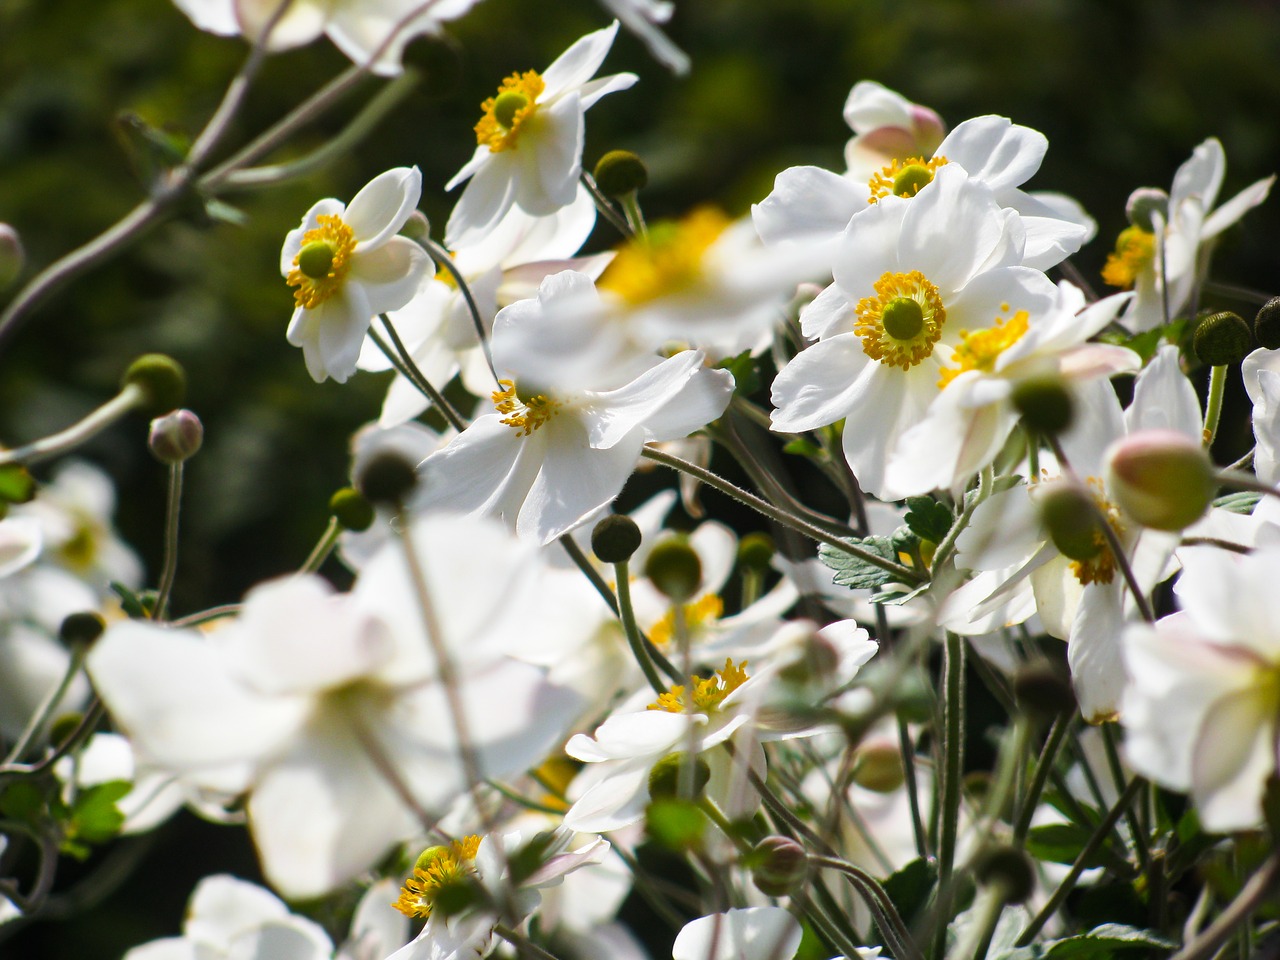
{"x": 176, "y": 436}
{"x": 1222, "y": 339}
{"x": 779, "y": 866}
{"x": 1143, "y": 204}
{"x": 620, "y": 172}
{"x": 429, "y": 856}
{"x": 1161, "y": 478}
{"x": 417, "y": 227}
{"x": 351, "y": 509}
{"x": 1266, "y": 325}
{"x": 387, "y": 477}
{"x": 615, "y": 538}
{"x": 1044, "y": 402}
{"x": 675, "y": 569}
{"x": 12, "y": 256}
{"x": 755, "y": 550}
{"x": 877, "y": 766}
{"x": 1042, "y": 688}
{"x": 84, "y": 627}
{"x": 815, "y": 658}
{"x": 162, "y": 380}
{"x": 1008, "y": 868}
{"x": 664, "y": 778}
{"x": 1071, "y": 518}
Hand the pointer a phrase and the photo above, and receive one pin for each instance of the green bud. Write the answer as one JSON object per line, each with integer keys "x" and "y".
{"x": 620, "y": 172}
{"x": 1222, "y": 338}
{"x": 1009, "y": 868}
{"x": 755, "y": 551}
{"x": 1266, "y": 325}
{"x": 1162, "y": 478}
{"x": 779, "y": 866}
{"x": 417, "y": 227}
{"x": 1042, "y": 689}
{"x": 176, "y": 436}
{"x": 814, "y": 660}
{"x": 315, "y": 260}
{"x": 84, "y": 627}
{"x": 16, "y": 484}
{"x": 1071, "y": 518}
{"x": 429, "y": 856}
{"x": 877, "y": 766}
{"x": 615, "y": 538}
{"x": 675, "y": 569}
{"x": 1143, "y": 204}
{"x": 352, "y": 511}
{"x": 12, "y": 256}
{"x": 1044, "y": 402}
{"x": 664, "y": 778}
{"x": 903, "y": 318}
{"x": 387, "y": 478}
{"x": 162, "y": 380}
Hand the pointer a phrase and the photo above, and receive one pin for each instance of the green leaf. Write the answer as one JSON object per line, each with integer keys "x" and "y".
{"x": 745, "y": 375}
{"x": 23, "y": 800}
{"x": 854, "y": 572}
{"x": 16, "y": 485}
{"x": 1241, "y": 502}
{"x": 928, "y": 519}
{"x": 910, "y": 887}
{"x": 137, "y": 606}
{"x": 675, "y": 824}
{"x": 1100, "y": 943}
{"x": 1062, "y": 843}
{"x": 95, "y": 816}
{"x": 801, "y": 447}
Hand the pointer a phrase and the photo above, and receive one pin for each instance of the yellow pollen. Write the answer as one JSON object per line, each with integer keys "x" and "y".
{"x": 903, "y": 178}
{"x": 313, "y": 291}
{"x": 668, "y": 262}
{"x": 525, "y": 415}
{"x": 980, "y": 349}
{"x": 1135, "y": 249}
{"x": 707, "y": 694}
{"x": 879, "y": 343}
{"x": 499, "y": 128}
{"x": 702, "y": 611}
{"x": 1101, "y": 568}
{"x": 449, "y": 866}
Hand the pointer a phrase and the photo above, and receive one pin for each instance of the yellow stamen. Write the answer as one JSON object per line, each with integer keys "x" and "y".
{"x": 903, "y": 178}
{"x": 900, "y": 325}
{"x": 446, "y": 866}
{"x": 338, "y": 237}
{"x": 510, "y": 109}
{"x": 696, "y": 614}
{"x": 1100, "y": 568}
{"x": 980, "y": 349}
{"x": 707, "y": 694}
{"x": 525, "y": 414}
{"x": 1135, "y": 249}
{"x": 668, "y": 262}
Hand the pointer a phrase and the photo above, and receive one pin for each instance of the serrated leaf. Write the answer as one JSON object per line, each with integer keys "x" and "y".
{"x": 1105, "y": 940}
{"x": 854, "y": 572}
{"x": 927, "y": 518}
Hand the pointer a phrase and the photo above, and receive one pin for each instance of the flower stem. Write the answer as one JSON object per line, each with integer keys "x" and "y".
{"x": 605, "y": 207}
{"x": 409, "y": 368}
{"x": 324, "y": 546}
{"x": 951, "y": 772}
{"x": 1213, "y": 405}
{"x": 169, "y": 569}
{"x": 128, "y": 399}
{"x": 441, "y": 256}
{"x": 1048, "y": 756}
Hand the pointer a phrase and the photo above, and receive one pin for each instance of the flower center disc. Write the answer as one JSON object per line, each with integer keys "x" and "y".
{"x": 669, "y": 262}
{"x": 524, "y": 414}
{"x": 321, "y": 265}
{"x": 900, "y": 325}
{"x": 903, "y": 178}
{"x": 508, "y": 111}
{"x": 1135, "y": 249}
{"x": 980, "y": 349}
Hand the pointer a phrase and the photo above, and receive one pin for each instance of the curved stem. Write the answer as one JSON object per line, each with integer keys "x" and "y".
{"x": 324, "y": 546}
{"x": 127, "y": 400}
{"x": 441, "y": 256}
{"x": 1253, "y": 895}
{"x": 986, "y": 481}
{"x": 605, "y": 207}
{"x": 627, "y": 614}
{"x": 410, "y": 369}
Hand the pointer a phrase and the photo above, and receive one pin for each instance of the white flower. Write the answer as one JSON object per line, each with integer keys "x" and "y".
{"x": 1164, "y": 259}
{"x": 232, "y": 919}
{"x": 642, "y": 17}
{"x": 530, "y": 137}
{"x": 347, "y": 266}
{"x": 905, "y": 287}
{"x": 1203, "y": 699}
{"x": 887, "y": 127}
{"x": 1261, "y": 373}
{"x": 359, "y": 28}
{"x": 562, "y": 441}
{"x": 748, "y": 933}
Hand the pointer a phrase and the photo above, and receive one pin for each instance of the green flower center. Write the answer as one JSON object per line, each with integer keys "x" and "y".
{"x": 315, "y": 260}
{"x": 903, "y": 318}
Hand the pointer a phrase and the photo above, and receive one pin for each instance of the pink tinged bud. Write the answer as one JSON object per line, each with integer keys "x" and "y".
{"x": 176, "y": 436}
{"x": 1162, "y": 478}
{"x": 12, "y": 257}
{"x": 928, "y": 127}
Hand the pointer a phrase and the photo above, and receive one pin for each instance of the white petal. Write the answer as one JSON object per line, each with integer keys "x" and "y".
{"x": 807, "y": 202}
{"x": 383, "y": 205}
{"x": 995, "y": 150}
{"x": 1236, "y": 207}
{"x": 577, "y": 479}
{"x": 486, "y": 199}
{"x": 1234, "y": 755}
{"x": 821, "y": 384}
{"x": 750, "y": 933}
{"x": 579, "y": 63}
{"x": 392, "y": 274}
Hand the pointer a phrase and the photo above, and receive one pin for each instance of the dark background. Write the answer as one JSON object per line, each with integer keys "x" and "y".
{"x": 1123, "y": 90}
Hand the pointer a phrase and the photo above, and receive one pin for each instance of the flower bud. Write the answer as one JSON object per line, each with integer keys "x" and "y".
{"x": 12, "y": 256}
{"x": 755, "y": 551}
{"x": 675, "y": 569}
{"x": 1042, "y": 688}
{"x": 877, "y": 766}
{"x": 387, "y": 477}
{"x": 1009, "y": 868}
{"x": 1266, "y": 325}
{"x": 1143, "y": 203}
{"x": 84, "y": 627}
{"x": 615, "y": 538}
{"x": 813, "y": 659}
{"x": 16, "y": 485}
{"x": 1071, "y": 519}
{"x": 1222, "y": 339}
{"x": 176, "y": 436}
{"x": 664, "y": 778}
{"x": 417, "y": 227}
{"x": 352, "y": 511}
{"x": 162, "y": 380}
{"x": 1044, "y": 402}
{"x": 620, "y": 172}
{"x": 1161, "y": 478}
{"x": 779, "y": 866}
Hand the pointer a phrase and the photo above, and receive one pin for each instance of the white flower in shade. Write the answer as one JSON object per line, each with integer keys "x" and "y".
{"x": 504, "y": 266}
{"x": 1165, "y": 255}
{"x": 312, "y": 696}
{"x": 530, "y": 138}
{"x": 1203, "y": 700}
{"x": 347, "y": 265}
{"x": 370, "y": 32}
{"x": 642, "y": 17}
{"x": 747, "y": 933}
{"x": 973, "y": 415}
{"x": 1261, "y": 373}
{"x": 20, "y": 542}
{"x": 566, "y": 432}
{"x": 904, "y": 292}
{"x": 232, "y": 919}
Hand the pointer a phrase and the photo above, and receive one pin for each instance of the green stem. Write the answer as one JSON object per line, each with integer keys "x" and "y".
{"x": 169, "y": 569}
{"x": 441, "y": 256}
{"x": 627, "y": 614}
{"x": 1044, "y": 766}
{"x": 1213, "y": 405}
{"x": 951, "y": 772}
{"x": 31, "y": 732}
{"x": 324, "y": 546}
{"x": 1253, "y": 895}
{"x": 456, "y": 420}
{"x": 897, "y": 937}
{"x": 1118, "y": 779}
{"x": 605, "y": 207}
{"x": 910, "y": 781}
{"x": 986, "y": 482}
{"x": 130, "y": 397}
{"x": 635, "y": 218}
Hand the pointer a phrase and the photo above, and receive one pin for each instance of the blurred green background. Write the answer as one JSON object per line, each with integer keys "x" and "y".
{"x": 1124, "y": 91}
